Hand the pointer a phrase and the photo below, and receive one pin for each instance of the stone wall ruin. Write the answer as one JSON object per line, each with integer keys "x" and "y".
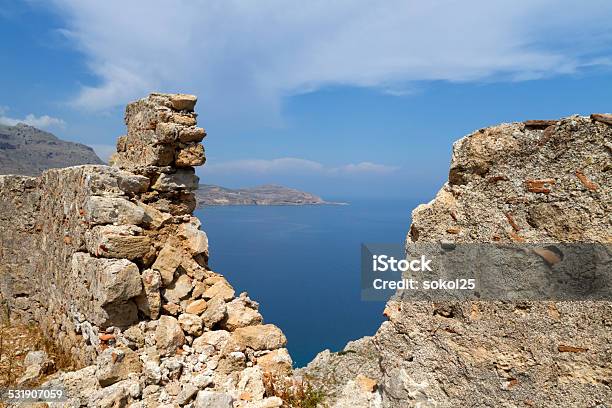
{"x": 111, "y": 263}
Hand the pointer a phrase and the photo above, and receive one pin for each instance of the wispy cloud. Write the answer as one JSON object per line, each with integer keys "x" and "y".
{"x": 41, "y": 122}
{"x": 243, "y": 57}
{"x": 294, "y": 166}
{"x": 367, "y": 168}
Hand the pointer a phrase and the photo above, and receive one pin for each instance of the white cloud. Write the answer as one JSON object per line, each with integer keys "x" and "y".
{"x": 294, "y": 166}
{"x": 243, "y": 57}
{"x": 367, "y": 168}
{"x": 41, "y": 122}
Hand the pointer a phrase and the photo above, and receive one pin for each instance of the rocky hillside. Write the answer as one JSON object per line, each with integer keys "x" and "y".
{"x": 29, "y": 151}
{"x": 532, "y": 182}
{"x": 269, "y": 194}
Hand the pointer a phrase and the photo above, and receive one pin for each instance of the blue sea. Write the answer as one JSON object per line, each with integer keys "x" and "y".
{"x": 302, "y": 263}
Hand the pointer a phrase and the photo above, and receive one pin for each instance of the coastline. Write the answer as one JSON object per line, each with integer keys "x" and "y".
{"x": 274, "y": 204}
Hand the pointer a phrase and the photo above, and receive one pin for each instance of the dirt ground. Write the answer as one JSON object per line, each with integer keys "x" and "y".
{"x": 16, "y": 340}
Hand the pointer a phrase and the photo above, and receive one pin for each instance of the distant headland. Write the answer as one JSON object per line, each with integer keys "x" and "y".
{"x": 269, "y": 194}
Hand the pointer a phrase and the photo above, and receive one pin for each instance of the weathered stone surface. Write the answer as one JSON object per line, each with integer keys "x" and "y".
{"x": 116, "y": 395}
{"x": 36, "y": 364}
{"x": 183, "y": 119}
{"x": 190, "y": 155}
{"x": 496, "y": 353}
{"x": 149, "y": 301}
{"x": 278, "y": 362}
{"x": 182, "y": 101}
{"x": 215, "y": 338}
{"x": 251, "y": 381}
{"x": 168, "y": 335}
{"x": 191, "y": 324}
{"x": 113, "y": 283}
{"x": 271, "y": 402}
{"x": 602, "y": 117}
{"x": 134, "y": 335}
{"x": 354, "y": 395}
{"x": 38, "y": 357}
{"x": 239, "y": 314}
{"x": 178, "y": 289}
{"x": 212, "y": 399}
{"x": 178, "y": 202}
{"x": 78, "y": 385}
{"x": 117, "y": 241}
{"x": 261, "y": 337}
{"x": 196, "y": 307}
{"x": 113, "y": 210}
{"x": 153, "y": 217}
{"x": 115, "y": 364}
{"x": 115, "y": 279}
{"x": 366, "y": 384}
{"x": 168, "y": 259}
{"x": 230, "y": 363}
{"x": 107, "y": 181}
{"x": 167, "y": 132}
{"x": 196, "y": 240}
{"x": 188, "y": 392}
{"x": 215, "y": 312}
{"x": 191, "y": 134}
{"x": 182, "y": 179}
{"x": 221, "y": 289}
{"x": 152, "y": 372}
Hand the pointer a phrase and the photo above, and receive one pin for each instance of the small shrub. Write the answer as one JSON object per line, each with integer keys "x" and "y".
{"x": 295, "y": 393}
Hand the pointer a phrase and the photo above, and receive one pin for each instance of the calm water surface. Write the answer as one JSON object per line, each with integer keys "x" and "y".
{"x": 302, "y": 264}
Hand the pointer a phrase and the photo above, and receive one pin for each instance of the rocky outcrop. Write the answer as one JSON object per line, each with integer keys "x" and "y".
{"x": 110, "y": 262}
{"x": 28, "y": 151}
{"x": 533, "y": 182}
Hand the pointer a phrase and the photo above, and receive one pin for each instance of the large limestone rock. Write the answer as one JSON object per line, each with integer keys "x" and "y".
{"x": 149, "y": 300}
{"x": 182, "y": 179}
{"x": 240, "y": 314}
{"x": 191, "y": 324}
{"x": 212, "y": 399}
{"x": 220, "y": 289}
{"x": 113, "y": 210}
{"x": 118, "y": 241}
{"x": 196, "y": 240}
{"x": 115, "y": 364}
{"x": 216, "y": 311}
{"x": 277, "y": 362}
{"x": 512, "y": 183}
{"x": 215, "y": 338}
{"x": 260, "y": 337}
{"x": 178, "y": 289}
{"x": 168, "y": 260}
{"x": 113, "y": 285}
{"x": 169, "y": 336}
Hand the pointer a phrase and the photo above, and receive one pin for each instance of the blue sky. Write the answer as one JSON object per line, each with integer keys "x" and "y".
{"x": 345, "y": 99}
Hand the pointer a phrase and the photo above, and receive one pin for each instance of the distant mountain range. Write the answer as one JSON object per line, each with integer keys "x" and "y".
{"x": 269, "y": 194}
{"x": 29, "y": 151}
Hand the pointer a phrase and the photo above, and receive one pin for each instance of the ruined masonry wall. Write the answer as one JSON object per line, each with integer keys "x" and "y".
{"x": 103, "y": 256}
